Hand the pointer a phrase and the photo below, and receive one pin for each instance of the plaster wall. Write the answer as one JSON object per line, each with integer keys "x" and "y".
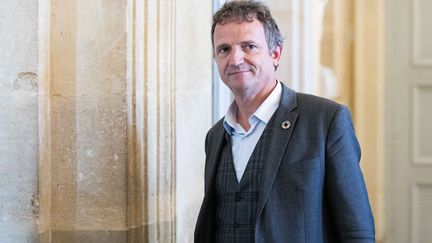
{"x": 193, "y": 110}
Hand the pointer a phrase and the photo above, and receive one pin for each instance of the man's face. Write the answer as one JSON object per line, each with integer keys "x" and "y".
{"x": 244, "y": 61}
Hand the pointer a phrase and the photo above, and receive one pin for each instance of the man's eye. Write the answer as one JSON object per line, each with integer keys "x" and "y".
{"x": 251, "y": 47}
{"x": 223, "y": 50}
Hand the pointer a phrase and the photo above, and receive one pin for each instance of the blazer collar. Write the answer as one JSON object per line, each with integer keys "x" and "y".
{"x": 288, "y": 98}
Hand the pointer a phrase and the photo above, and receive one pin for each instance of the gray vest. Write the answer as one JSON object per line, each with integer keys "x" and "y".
{"x": 236, "y": 203}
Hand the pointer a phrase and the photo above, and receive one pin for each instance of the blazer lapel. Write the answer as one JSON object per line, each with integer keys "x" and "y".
{"x": 281, "y": 133}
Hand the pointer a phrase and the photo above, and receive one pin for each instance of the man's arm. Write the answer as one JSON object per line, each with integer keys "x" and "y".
{"x": 344, "y": 184}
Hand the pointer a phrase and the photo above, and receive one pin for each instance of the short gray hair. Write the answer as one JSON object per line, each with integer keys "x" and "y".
{"x": 247, "y": 10}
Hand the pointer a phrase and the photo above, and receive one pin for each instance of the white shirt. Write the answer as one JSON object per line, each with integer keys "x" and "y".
{"x": 243, "y": 142}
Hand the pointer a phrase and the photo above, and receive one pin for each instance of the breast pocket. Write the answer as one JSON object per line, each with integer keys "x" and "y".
{"x": 300, "y": 175}
{"x": 301, "y": 166}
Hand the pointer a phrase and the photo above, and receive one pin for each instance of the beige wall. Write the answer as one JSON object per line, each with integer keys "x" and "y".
{"x": 369, "y": 100}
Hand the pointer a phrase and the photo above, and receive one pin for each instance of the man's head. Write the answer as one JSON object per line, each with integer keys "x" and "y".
{"x": 247, "y": 47}
{"x": 246, "y": 11}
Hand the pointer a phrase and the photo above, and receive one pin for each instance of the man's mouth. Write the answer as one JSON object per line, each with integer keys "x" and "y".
{"x": 238, "y": 72}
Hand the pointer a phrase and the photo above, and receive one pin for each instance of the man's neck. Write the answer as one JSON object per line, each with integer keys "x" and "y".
{"x": 246, "y": 106}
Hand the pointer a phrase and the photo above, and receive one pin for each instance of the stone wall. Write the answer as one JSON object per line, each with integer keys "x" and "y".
{"x": 104, "y": 110}
{"x": 18, "y": 120}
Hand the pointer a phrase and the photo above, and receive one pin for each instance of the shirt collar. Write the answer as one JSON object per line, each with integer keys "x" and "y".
{"x": 269, "y": 106}
{"x": 263, "y": 113}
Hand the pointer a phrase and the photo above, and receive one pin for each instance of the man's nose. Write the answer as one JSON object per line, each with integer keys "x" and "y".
{"x": 237, "y": 56}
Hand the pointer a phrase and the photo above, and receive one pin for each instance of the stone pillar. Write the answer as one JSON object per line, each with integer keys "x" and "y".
{"x": 18, "y": 120}
{"x": 169, "y": 95}
{"x": 83, "y": 103}
{"x": 151, "y": 97}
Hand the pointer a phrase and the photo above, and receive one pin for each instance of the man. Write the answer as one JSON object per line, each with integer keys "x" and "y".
{"x": 280, "y": 166}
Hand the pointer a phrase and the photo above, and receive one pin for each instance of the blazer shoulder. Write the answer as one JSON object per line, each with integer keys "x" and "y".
{"x": 307, "y": 103}
{"x": 312, "y": 101}
{"x": 214, "y": 133}
{"x": 216, "y": 128}
{"x": 319, "y": 110}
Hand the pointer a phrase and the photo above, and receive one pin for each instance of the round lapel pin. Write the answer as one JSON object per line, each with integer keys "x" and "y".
{"x": 286, "y": 124}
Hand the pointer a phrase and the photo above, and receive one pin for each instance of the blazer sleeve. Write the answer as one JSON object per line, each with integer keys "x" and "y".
{"x": 345, "y": 188}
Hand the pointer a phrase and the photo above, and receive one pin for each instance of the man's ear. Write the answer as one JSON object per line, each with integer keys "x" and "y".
{"x": 276, "y": 54}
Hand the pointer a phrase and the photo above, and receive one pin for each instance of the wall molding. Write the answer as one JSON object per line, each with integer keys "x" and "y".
{"x": 419, "y": 59}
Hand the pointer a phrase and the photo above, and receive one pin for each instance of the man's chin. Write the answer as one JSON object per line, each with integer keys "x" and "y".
{"x": 239, "y": 83}
{"x": 239, "y": 88}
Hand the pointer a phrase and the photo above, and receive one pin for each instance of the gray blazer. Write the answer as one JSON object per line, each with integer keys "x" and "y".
{"x": 312, "y": 186}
